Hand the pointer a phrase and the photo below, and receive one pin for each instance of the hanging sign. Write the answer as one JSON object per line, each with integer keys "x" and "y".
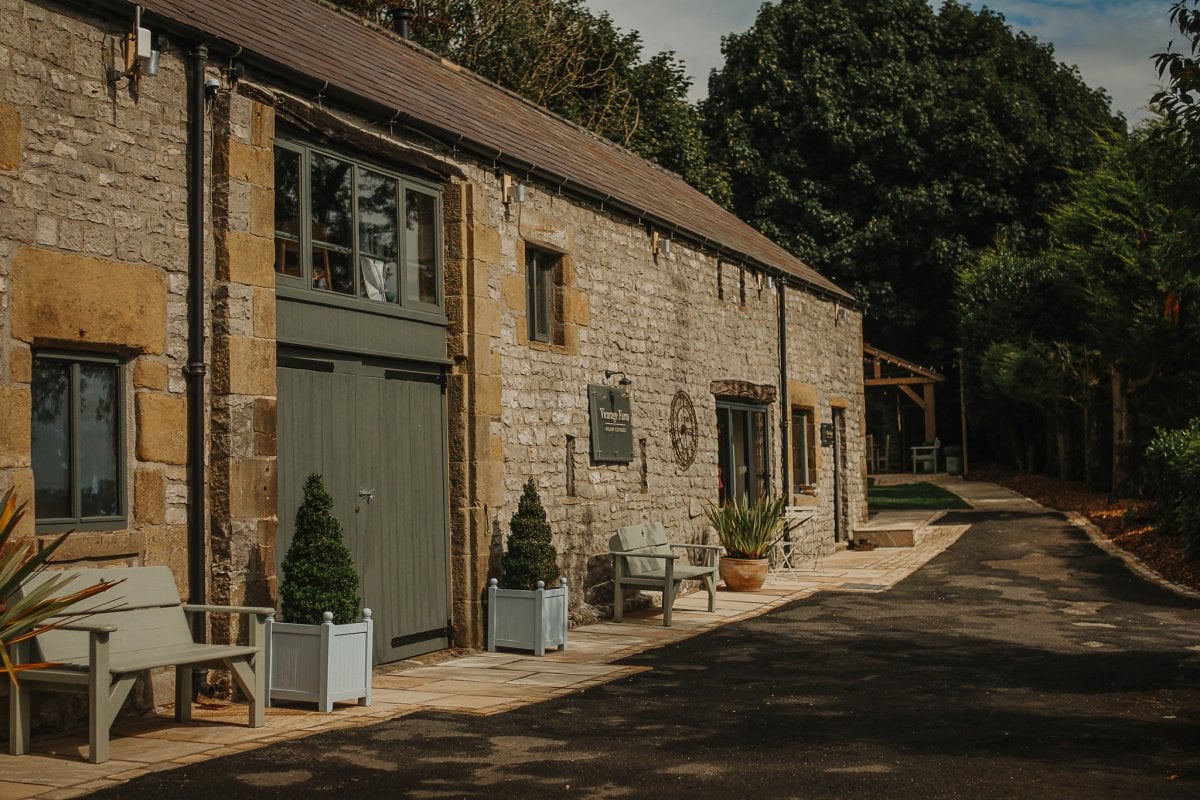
{"x": 612, "y": 424}
{"x": 827, "y": 434}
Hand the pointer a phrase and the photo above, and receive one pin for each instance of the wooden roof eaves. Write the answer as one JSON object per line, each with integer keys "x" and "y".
{"x": 459, "y": 141}
{"x": 896, "y": 361}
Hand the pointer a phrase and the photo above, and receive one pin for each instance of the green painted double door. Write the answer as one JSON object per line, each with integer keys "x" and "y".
{"x": 376, "y": 432}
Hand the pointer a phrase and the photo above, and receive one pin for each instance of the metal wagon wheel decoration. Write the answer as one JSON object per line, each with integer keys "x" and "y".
{"x": 683, "y": 429}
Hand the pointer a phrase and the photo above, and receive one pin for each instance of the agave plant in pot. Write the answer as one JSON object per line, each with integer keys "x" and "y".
{"x": 529, "y": 613}
{"x": 319, "y": 652}
{"x": 747, "y": 530}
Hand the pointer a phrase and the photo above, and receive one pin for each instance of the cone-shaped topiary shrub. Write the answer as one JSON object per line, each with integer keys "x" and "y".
{"x": 318, "y": 571}
{"x": 530, "y": 556}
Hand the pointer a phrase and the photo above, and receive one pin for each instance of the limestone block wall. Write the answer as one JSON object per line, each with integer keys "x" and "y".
{"x": 93, "y": 258}
{"x": 243, "y": 491}
{"x": 671, "y": 322}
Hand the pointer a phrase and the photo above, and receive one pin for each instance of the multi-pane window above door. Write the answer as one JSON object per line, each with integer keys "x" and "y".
{"x": 348, "y": 229}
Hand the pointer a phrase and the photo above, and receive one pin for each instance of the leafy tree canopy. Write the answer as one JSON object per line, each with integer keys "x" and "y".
{"x": 560, "y": 55}
{"x": 888, "y": 145}
{"x": 1180, "y": 99}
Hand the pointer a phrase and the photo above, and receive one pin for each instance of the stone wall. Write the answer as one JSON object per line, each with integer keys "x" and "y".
{"x": 683, "y": 321}
{"x": 93, "y": 259}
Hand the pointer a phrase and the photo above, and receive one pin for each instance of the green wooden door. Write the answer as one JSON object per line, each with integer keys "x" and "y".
{"x": 376, "y": 432}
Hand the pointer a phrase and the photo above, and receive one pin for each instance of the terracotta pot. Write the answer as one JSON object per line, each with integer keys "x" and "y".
{"x": 743, "y": 574}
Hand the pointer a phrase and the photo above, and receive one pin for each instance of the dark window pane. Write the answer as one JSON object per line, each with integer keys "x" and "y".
{"x": 331, "y": 270}
{"x": 51, "y": 438}
{"x": 287, "y": 212}
{"x": 420, "y": 260}
{"x": 99, "y": 448}
{"x": 330, "y": 201}
{"x": 377, "y": 220}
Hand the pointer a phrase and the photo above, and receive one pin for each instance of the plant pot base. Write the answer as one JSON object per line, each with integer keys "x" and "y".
{"x": 743, "y": 574}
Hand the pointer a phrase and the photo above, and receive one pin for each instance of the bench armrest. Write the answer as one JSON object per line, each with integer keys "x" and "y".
{"x": 635, "y": 554}
{"x": 263, "y": 611}
{"x": 698, "y": 546}
{"x": 89, "y": 627}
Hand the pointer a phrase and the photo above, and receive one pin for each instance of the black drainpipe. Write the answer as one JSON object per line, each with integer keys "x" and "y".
{"x": 196, "y": 368}
{"x": 785, "y": 411}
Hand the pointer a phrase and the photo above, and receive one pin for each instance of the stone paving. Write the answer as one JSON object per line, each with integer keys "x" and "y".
{"x": 475, "y": 683}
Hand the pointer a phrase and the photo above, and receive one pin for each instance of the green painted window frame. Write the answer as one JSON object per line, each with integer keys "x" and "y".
{"x": 542, "y": 268}
{"x": 755, "y": 446}
{"x": 77, "y": 521}
{"x": 804, "y": 448}
{"x": 301, "y": 287}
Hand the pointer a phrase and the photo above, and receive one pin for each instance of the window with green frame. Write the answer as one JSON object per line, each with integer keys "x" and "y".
{"x": 543, "y": 282}
{"x": 742, "y": 451}
{"x": 77, "y": 441}
{"x": 354, "y": 230}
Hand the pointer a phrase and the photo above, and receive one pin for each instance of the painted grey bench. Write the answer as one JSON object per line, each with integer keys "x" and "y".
{"x": 643, "y": 558}
{"x": 141, "y": 625}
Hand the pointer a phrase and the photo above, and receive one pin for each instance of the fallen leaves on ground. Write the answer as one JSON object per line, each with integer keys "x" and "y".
{"x": 1127, "y": 522}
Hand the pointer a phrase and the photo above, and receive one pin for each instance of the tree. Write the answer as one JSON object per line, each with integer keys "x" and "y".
{"x": 1129, "y": 240}
{"x": 888, "y": 146}
{"x": 530, "y": 555}
{"x": 1180, "y": 99}
{"x": 558, "y": 54}
{"x": 318, "y": 570}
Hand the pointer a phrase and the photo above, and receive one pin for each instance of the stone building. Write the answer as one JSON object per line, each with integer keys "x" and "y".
{"x": 264, "y": 239}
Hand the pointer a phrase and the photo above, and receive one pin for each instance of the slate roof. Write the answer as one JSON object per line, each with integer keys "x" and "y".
{"x": 371, "y": 70}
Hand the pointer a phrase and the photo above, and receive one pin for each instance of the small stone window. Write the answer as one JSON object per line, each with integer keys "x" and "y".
{"x": 351, "y": 230}
{"x": 804, "y": 450}
{"x": 77, "y": 441}
{"x": 543, "y": 287}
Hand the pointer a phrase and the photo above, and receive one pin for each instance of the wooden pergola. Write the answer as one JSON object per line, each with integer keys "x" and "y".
{"x": 882, "y": 369}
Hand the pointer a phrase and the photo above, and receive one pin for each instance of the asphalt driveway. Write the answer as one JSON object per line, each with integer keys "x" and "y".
{"x": 1022, "y": 662}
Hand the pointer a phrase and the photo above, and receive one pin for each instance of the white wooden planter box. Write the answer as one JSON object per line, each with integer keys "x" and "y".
{"x": 321, "y": 664}
{"x": 527, "y": 619}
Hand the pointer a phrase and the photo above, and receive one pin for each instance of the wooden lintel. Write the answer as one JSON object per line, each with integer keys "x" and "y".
{"x": 914, "y": 381}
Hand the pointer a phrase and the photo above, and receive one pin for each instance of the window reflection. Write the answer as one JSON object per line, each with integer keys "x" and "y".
{"x": 287, "y": 212}
{"x": 75, "y": 439}
{"x": 338, "y": 227}
{"x": 421, "y": 241}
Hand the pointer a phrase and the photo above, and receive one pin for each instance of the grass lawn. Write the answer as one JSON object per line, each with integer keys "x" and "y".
{"x": 909, "y": 496}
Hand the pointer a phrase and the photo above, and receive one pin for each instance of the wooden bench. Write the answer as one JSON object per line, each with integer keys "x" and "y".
{"x": 643, "y": 558}
{"x": 141, "y": 625}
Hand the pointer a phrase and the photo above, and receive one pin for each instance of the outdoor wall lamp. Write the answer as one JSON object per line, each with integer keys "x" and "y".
{"x": 660, "y": 244}
{"x": 511, "y": 191}
{"x": 624, "y": 383}
{"x": 608, "y": 373}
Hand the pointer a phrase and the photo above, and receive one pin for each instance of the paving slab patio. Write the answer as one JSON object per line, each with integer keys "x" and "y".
{"x": 476, "y": 683}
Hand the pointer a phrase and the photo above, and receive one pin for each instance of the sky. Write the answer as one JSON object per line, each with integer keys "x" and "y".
{"x": 1110, "y": 41}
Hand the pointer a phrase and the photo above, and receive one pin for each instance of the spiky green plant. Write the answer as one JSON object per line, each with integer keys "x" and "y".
{"x": 530, "y": 556}
{"x": 748, "y": 530}
{"x": 22, "y": 618}
{"x": 318, "y": 570}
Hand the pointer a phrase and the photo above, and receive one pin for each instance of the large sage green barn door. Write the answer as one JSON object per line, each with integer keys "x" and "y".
{"x": 376, "y": 432}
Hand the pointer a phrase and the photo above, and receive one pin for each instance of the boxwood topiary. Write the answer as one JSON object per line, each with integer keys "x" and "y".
{"x": 318, "y": 571}
{"x": 530, "y": 556}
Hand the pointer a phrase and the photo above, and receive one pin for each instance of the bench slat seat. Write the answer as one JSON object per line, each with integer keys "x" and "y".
{"x": 642, "y": 557}
{"x": 108, "y": 640}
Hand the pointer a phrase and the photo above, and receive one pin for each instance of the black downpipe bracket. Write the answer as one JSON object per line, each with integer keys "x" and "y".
{"x": 785, "y": 411}
{"x": 196, "y": 368}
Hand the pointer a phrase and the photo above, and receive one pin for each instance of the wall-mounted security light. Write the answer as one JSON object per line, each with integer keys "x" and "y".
{"x": 140, "y": 56}
{"x": 511, "y": 191}
{"x": 211, "y": 87}
{"x": 660, "y": 244}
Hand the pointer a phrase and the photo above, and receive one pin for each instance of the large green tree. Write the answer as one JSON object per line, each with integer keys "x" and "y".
{"x": 1102, "y": 321}
{"x": 560, "y": 55}
{"x": 1180, "y": 98}
{"x": 888, "y": 145}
